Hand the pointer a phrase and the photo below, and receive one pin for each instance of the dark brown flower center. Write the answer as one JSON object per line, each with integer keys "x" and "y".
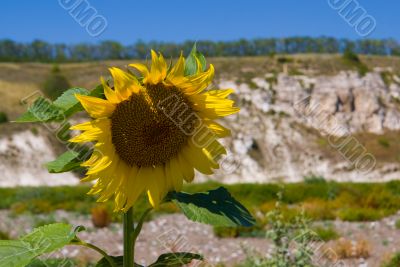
{"x": 151, "y": 127}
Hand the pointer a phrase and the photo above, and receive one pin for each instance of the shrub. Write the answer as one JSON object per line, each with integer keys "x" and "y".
{"x": 314, "y": 179}
{"x": 397, "y": 224}
{"x": 394, "y": 261}
{"x": 4, "y": 236}
{"x": 362, "y": 249}
{"x": 326, "y": 233}
{"x": 383, "y": 142}
{"x": 35, "y": 131}
{"x": 343, "y": 248}
{"x": 19, "y": 208}
{"x": 387, "y": 78}
{"x": 224, "y": 232}
{"x": 357, "y": 214}
{"x": 284, "y": 234}
{"x": 352, "y": 59}
{"x": 318, "y": 209}
{"x": 346, "y": 249}
{"x": 283, "y": 60}
{"x": 55, "y": 84}
{"x": 3, "y": 117}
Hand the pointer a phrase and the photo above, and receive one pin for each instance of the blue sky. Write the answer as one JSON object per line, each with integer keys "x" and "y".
{"x": 179, "y": 20}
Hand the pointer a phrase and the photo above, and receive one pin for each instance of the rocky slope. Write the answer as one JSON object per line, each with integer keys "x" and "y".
{"x": 284, "y": 119}
{"x": 22, "y": 157}
{"x": 287, "y": 129}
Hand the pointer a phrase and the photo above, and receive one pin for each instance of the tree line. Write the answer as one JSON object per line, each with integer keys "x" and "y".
{"x": 42, "y": 51}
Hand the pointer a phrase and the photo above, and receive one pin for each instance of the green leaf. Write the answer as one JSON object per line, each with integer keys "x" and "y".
{"x": 98, "y": 92}
{"x": 15, "y": 253}
{"x": 45, "y": 239}
{"x": 68, "y": 102}
{"x": 216, "y": 207}
{"x": 42, "y": 110}
{"x": 191, "y": 61}
{"x": 119, "y": 261}
{"x": 177, "y": 259}
{"x": 50, "y": 237}
{"x": 63, "y": 132}
{"x": 53, "y": 262}
{"x": 66, "y": 162}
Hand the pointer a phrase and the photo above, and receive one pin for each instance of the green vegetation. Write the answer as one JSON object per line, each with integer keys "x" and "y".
{"x": 326, "y": 233}
{"x": 55, "y": 84}
{"x": 291, "y": 238}
{"x": 358, "y": 214}
{"x": 314, "y": 179}
{"x": 384, "y": 142}
{"x": 4, "y": 236}
{"x": 3, "y": 117}
{"x": 397, "y": 224}
{"x": 387, "y": 78}
{"x": 350, "y": 58}
{"x": 320, "y": 199}
{"x": 394, "y": 261}
{"x": 284, "y": 60}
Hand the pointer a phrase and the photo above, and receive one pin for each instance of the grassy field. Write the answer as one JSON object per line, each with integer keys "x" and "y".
{"x": 20, "y": 80}
{"x": 320, "y": 199}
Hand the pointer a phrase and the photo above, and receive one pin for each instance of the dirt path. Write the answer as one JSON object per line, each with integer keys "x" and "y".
{"x": 169, "y": 233}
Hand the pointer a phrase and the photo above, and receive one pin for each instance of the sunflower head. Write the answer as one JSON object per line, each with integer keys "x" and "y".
{"x": 152, "y": 132}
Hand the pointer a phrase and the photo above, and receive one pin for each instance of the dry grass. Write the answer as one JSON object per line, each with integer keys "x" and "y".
{"x": 17, "y": 80}
{"x": 346, "y": 249}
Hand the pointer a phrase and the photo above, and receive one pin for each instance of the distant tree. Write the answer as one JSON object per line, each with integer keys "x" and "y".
{"x": 42, "y": 51}
{"x": 3, "y": 117}
{"x": 111, "y": 50}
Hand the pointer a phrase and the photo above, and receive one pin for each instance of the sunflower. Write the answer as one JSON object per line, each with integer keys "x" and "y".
{"x": 152, "y": 132}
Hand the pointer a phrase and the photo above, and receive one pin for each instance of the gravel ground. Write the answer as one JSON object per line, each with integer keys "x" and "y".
{"x": 169, "y": 233}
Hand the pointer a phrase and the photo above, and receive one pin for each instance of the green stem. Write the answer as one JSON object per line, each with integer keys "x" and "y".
{"x": 129, "y": 250}
{"x": 99, "y": 250}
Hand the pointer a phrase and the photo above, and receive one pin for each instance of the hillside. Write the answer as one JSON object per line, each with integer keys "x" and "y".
{"x": 294, "y": 108}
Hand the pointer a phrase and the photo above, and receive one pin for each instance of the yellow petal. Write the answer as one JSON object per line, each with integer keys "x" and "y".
{"x": 163, "y": 66}
{"x": 197, "y": 83}
{"x": 142, "y": 69}
{"x": 177, "y": 71}
{"x": 215, "y": 150}
{"x": 110, "y": 93}
{"x": 186, "y": 168}
{"x": 94, "y": 130}
{"x": 220, "y": 93}
{"x": 217, "y": 128}
{"x": 114, "y": 180}
{"x": 100, "y": 165}
{"x": 218, "y": 112}
{"x": 124, "y": 83}
{"x": 156, "y": 186}
{"x": 174, "y": 174}
{"x": 96, "y": 107}
{"x": 158, "y": 69}
{"x": 135, "y": 187}
{"x": 197, "y": 159}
